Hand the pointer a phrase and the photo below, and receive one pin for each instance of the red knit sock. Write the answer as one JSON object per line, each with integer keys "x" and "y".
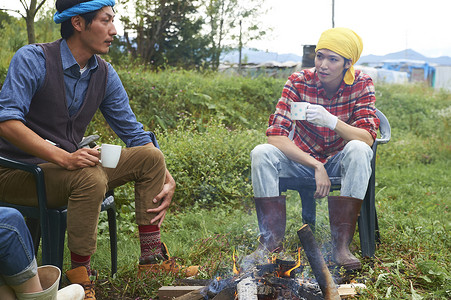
{"x": 149, "y": 238}
{"x": 79, "y": 260}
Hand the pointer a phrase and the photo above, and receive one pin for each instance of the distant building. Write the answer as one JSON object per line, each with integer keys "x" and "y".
{"x": 417, "y": 70}
{"x": 270, "y": 68}
{"x": 392, "y": 71}
{"x": 383, "y": 75}
{"x": 308, "y": 56}
{"x": 442, "y": 78}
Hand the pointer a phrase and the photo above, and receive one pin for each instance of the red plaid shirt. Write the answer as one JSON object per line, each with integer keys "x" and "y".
{"x": 353, "y": 104}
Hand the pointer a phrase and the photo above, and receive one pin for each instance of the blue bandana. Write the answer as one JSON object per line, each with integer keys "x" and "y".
{"x": 80, "y": 9}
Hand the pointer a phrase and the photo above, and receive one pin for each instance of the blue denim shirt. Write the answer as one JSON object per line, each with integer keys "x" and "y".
{"x": 26, "y": 76}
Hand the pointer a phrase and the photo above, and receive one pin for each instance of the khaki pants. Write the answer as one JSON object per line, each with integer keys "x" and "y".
{"x": 83, "y": 191}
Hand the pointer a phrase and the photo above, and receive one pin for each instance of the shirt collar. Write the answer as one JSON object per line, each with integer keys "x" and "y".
{"x": 69, "y": 61}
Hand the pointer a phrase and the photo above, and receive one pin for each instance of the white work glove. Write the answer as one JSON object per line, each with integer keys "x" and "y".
{"x": 319, "y": 116}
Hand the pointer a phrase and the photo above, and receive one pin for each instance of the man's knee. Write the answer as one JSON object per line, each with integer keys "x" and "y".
{"x": 358, "y": 150}
{"x": 261, "y": 154}
{"x": 151, "y": 157}
{"x": 146, "y": 163}
{"x": 10, "y": 216}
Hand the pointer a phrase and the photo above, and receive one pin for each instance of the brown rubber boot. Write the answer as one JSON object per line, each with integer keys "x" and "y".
{"x": 271, "y": 216}
{"x": 80, "y": 276}
{"x": 343, "y": 214}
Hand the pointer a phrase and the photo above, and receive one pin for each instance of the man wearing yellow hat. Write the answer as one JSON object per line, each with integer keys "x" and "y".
{"x": 334, "y": 139}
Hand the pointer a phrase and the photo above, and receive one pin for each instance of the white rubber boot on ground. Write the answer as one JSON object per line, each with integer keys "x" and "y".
{"x": 49, "y": 276}
{"x": 71, "y": 292}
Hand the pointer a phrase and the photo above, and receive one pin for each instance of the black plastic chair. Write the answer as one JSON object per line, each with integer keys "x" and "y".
{"x": 367, "y": 223}
{"x": 50, "y": 224}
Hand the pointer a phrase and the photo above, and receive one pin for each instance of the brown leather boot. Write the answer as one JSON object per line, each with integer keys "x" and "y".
{"x": 343, "y": 214}
{"x": 271, "y": 216}
{"x": 80, "y": 276}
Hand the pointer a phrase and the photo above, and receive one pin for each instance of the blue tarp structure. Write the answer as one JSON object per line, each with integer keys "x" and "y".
{"x": 417, "y": 70}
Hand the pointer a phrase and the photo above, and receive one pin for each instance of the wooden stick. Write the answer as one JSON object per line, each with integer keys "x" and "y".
{"x": 194, "y": 295}
{"x": 317, "y": 263}
{"x": 181, "y": 292}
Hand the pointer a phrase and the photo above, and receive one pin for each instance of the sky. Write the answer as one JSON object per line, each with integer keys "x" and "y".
{"x": 386, "y": 26}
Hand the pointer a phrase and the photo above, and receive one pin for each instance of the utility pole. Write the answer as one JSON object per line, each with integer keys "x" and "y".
{"x": 240, "y": 49}
{"x": 333, "y": 13}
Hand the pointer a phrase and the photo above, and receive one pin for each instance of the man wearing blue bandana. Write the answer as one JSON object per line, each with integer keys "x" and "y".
{"x": 50, "y": 95}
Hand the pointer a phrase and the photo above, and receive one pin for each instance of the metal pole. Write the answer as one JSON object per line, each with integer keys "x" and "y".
{"x": 333, "y": 13}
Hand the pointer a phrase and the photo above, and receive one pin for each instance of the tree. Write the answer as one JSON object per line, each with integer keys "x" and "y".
{"x": 31, "y": 10}
{"x": 164, "y": 29}
{"x": 12, "y": 35}
{"x": 232, "y": 24}
{"x": 186, "y": 46}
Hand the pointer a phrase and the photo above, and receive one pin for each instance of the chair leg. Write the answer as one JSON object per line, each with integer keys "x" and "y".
{"x": 113, "y": 238}
{"x": 367, "y": 226}
{"x": 35, "y": 230}
{"x": 378, "y": 235}
{"x": 308, "y": 207}
{"x": 46, "y": 247}
{"x": 57, "y": 226}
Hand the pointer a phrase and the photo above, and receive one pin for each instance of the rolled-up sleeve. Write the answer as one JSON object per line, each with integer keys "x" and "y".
{"x": 364, "y": 111}
{"x": 280, "y": 122}
{"x": 119, "y": 115}
{"x": 25, "y": 76}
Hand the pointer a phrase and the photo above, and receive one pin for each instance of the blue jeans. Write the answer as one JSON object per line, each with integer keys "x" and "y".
{"x": 17, "y": 260}
{"x": 352, "y": 164}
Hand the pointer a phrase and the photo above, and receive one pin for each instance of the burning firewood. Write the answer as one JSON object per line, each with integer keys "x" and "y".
{"x": 317, "y": 263}
{"x": 247, "y": 289}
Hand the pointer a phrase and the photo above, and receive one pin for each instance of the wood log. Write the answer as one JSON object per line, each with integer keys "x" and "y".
{"x": 180, "y": 292}
{"x": 349, "y": 290}
{"x": 317, "y": 263}
{"x": 191, "y": 281}
{"x": 247, "y": 289}
{"x": 226, "y": 294}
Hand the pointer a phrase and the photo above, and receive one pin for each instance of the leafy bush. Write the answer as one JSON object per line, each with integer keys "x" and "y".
{"x": 420, "y": 120}
{"x": 164, "y": 99}
{"x": 211, "y": 167}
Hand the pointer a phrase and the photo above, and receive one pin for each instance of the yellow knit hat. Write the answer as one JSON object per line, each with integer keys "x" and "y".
{"x": 345, "y": 42}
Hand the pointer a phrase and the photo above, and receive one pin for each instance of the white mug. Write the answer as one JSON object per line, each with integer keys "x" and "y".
{"x": 298, "y": 110}
{"x": 109, "y": 155}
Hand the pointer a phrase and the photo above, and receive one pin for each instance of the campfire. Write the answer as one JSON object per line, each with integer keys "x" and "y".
{"x": 276, "y": 279}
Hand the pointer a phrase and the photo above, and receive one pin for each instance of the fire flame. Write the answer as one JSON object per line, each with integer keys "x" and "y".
{"x": 287, "y": 273}
{"x": 272, "y": 259}
{"x": 235, "y": 270}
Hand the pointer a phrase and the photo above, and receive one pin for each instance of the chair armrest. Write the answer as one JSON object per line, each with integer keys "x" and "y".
{"x": 38, "y": 174}
{"x": 13, "y": 164}
{"x": 384, "y": 128}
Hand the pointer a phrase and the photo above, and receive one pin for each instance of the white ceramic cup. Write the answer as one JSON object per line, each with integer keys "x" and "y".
{"x": 298, "y": 110}
{"x": 109, "y": 155}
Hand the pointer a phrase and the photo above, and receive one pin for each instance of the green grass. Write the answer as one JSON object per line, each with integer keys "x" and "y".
{"x": 212, "y": 213}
